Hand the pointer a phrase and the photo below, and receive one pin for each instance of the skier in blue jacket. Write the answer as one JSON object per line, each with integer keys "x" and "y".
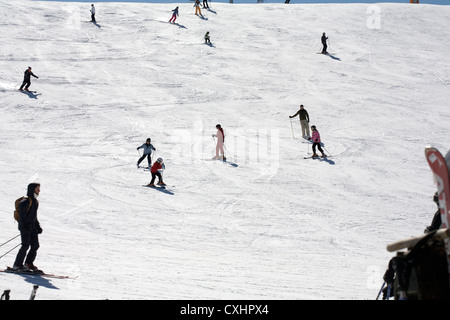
{"x": 148, "y": 148}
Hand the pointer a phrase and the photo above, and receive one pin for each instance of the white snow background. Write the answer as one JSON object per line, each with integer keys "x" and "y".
{"x": 275, "y": 226}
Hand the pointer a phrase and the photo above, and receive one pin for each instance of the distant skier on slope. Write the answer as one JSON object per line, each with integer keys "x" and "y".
{"x": 197, "y": 8}
{"x": 207, "y": 38}
{"x": 220, "y": 154}
{"x": 174, "y": 15}
{"x": 27, "y": 79}
{"x": 316, "y": 142}
{"x": 324, "y": 43}
{"x": 156, "y": 171}
{"x": 148, "y": 148}
{"x": 93, "y": 13}
{"x": 304, "y": 121}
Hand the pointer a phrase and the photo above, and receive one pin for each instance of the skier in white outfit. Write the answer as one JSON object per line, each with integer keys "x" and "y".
{"x": 92, "y": 13}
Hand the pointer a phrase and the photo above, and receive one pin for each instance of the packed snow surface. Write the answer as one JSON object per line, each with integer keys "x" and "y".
{"x": 268, "y": 224}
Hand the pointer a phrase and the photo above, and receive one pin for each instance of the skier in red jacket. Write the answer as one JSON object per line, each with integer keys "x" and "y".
{"x": 156, "y": 170}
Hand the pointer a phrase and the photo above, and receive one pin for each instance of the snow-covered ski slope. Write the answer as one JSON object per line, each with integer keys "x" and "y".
{"x": 275, "y": 226}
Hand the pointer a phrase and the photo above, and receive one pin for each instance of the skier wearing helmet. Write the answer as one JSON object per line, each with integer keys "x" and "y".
{"x": 156, "y": 171}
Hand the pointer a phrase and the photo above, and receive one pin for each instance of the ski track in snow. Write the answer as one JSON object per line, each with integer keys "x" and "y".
{"x": 275, "y": 226}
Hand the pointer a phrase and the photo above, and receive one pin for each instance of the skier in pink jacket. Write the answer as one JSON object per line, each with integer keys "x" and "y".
{"x": 316, "y": 142}
{"x": 220, "y": 142}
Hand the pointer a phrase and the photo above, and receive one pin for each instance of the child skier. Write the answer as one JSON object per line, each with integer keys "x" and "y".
{"x": 174, "y": 15}
{"x": 316, "y": 142}
{"x": 220, "y": 142}
{"x": 148, "y": 148}
{"x": 156, "y": 171}
{"x": 207, "y": 40}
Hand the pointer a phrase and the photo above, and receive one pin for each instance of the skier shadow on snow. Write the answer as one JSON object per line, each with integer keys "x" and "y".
{"x": 327, "y": 160}
{"x": 38, "y": 280}
{"x": 212, "y": 11}
{"x": 202, "y": 17}
{"x": 164, "y": 190}
{"x": 96, "y": 24}
{"x": 333, "y": 57}
{"x": 32, "y": 95}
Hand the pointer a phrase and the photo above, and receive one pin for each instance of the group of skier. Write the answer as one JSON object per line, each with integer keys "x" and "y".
{"x": 315, "y": 136}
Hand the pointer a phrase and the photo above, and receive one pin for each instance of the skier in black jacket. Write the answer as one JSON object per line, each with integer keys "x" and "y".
{"x": 324, "y": 43}
{"x": 27, "y": 79}
{"x": 29, "y": 230}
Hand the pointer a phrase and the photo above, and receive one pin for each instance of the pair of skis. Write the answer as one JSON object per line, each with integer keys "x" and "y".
{"x": 34, "y": 273}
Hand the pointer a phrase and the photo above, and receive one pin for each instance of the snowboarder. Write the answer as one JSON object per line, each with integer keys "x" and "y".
{"x": 316, "y": 142}
{"x": 29, "y": 230}
{"x": 197, "y": 8}
{"x": 304, "y": 121}
{"x": 207, "y": 38}
{"x": 148, "y": 148}
{"x": 156, "y": 171}
{"x": 220, "y": 143}
{"x": 174, "y": 15}
{"x": 324, "y": 43}
{"x": 27, "y": 79}
{"x": 93, "y": 13}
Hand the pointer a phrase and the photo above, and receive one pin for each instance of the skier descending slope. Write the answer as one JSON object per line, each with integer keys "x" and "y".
{"x": 27, "y": 79}
{"x": 148, "y": 148}
{"x": 156, "y": 171}
{"x": 220, "y": 154}
{"x": 316, "y": 142}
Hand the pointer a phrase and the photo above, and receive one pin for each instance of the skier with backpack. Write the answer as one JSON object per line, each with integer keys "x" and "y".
{"x": 148, "y": 148}
{"x": 26, "y": 215}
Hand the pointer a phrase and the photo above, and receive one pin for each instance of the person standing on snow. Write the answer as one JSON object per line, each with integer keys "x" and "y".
{"x": 156, "y": 171}
{"x": 174, "y": 15}
{"x": 148, "y": 148}
{"x": 324, "y": 43}
{"x": 316, "y": 142}
{"x": 220, "y": 143}
{"x": 92, "y": 13}
{"x": 29, "y": 230}
{"x": 304, "y": 121}
{"x": 27, "y": 79}
{"x": 205, "y": 4}
{"x": 197, "y": 7}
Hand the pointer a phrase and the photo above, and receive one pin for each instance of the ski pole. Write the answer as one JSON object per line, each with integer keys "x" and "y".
{"x": 33, "y": 293}
{"x": 381, "y": 290}
{"x": 1, "y": 245}
{"x": 10, "y": 250}
{"x": 292, "y": 128}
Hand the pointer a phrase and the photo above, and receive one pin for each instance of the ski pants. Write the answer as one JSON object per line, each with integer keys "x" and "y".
{"x": 174, "y": 18}
{"x": 30, "y": 240}
{"x": 197, "y": 10}
{"x": 149, "y": 159}
{"x": 219, "y": 148}
{"x": 325, "y": 47}
{"x": 154, "y": 175}
{"x": 93, "y": 17}
{"x": 316, "y": 144}
{"x": 305, "y": 128}
{"x": 26, "y": 83}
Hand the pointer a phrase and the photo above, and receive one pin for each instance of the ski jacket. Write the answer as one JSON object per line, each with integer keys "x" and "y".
{"x": 147, "y": 148}
{"x": 175, "y": 12}
{"x": 315, "y": 136}
{"x": 28, "y": 220}
{"x": 220, "y": 136}
{"x": 303, "y": 114}
{"x": 157, "y": 166}
{"x": 28, "y": 74}
{"x": 324, "y": 39}
{"x": 93, "y": 10}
